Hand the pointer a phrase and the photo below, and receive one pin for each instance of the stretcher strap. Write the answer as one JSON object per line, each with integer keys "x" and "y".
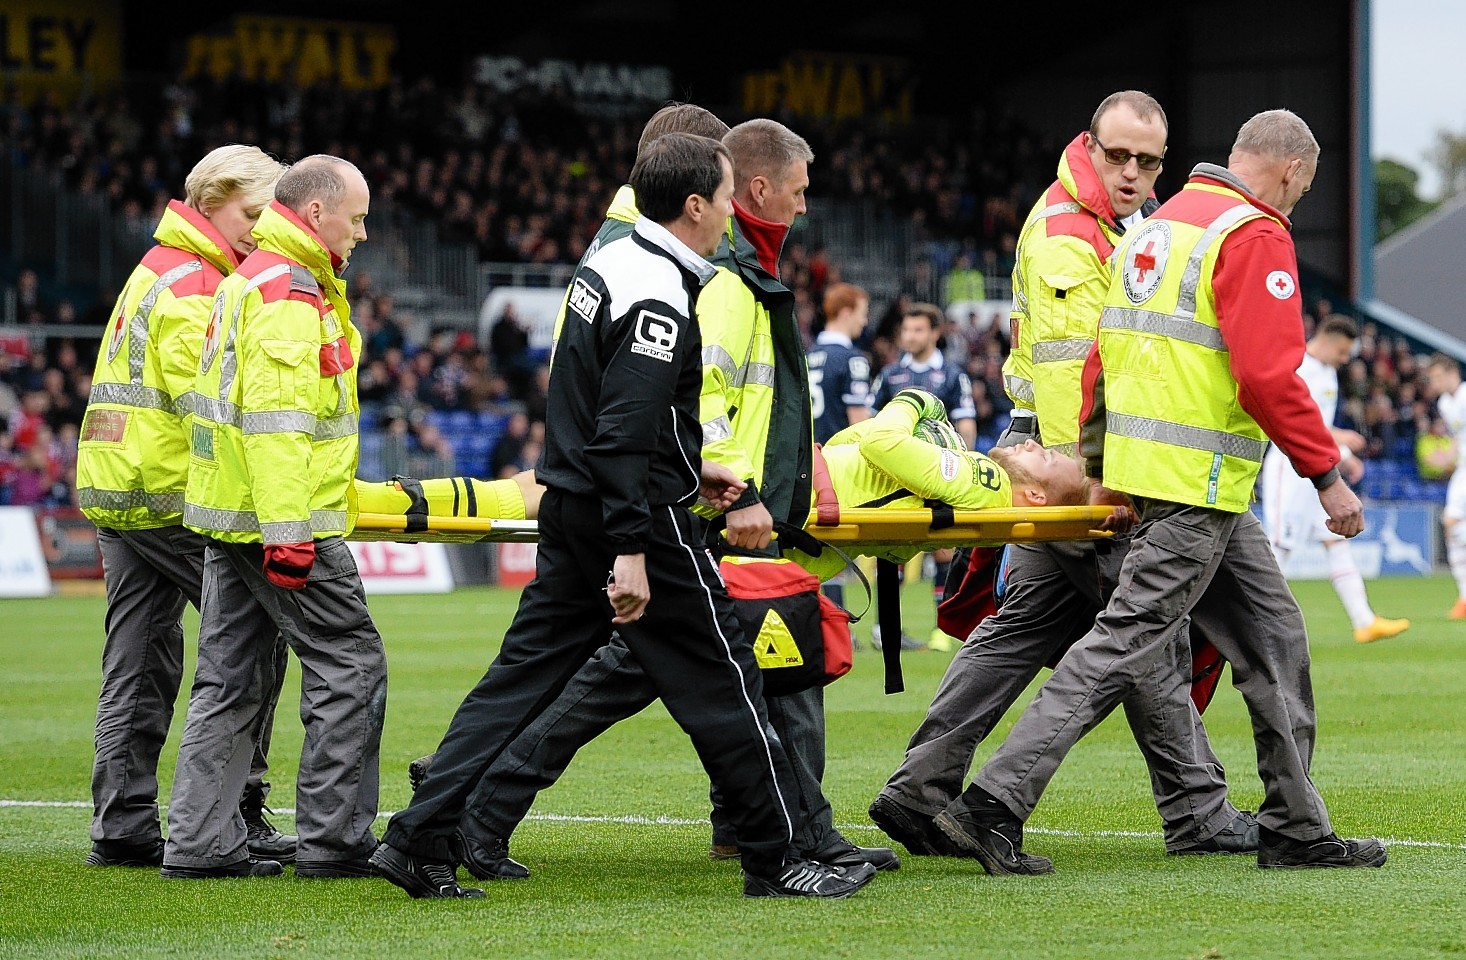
{"x": 888, "y": 613}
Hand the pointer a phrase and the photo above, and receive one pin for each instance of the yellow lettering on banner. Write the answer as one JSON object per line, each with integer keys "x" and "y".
{"x": 60, "y": 48}
{"x": 833, "y": 86}
{"x": 807, "y": 87}
{"x": 850, "y": 100}
{"x": 774, "y": 647}
{"x": 264, "y": 50}
{"x": 355, "y": 55}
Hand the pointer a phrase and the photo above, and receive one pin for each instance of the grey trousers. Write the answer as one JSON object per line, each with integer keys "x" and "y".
{"x": 1219, "y": 568}
{"x": 150, "y": 575}
{"x": 342, "y": 705}
{"x": 611, "y": 687}
{"x": 1054, "y": 592}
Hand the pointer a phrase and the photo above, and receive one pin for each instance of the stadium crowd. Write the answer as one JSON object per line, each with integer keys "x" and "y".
{"x": 437, "y": 399}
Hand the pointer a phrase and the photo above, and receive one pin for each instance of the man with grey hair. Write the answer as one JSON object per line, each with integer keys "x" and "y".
{"x": 1205, "y": 302}
{"x": 1055, "y": 590}
{"x": 273, "y": 453}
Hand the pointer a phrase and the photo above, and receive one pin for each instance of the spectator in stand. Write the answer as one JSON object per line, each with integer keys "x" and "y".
{"x": 964, "y": 287}
{"x": 508, "y": 452}
{"x": 509, "y": 348}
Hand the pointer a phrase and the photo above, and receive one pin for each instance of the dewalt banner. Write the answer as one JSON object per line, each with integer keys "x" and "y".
{"x": 357, "y": 56}
{"x": 833, "y": 86}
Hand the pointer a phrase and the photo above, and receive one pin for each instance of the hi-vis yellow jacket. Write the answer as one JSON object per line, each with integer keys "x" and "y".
{"x": 755, "y": 410}
{"x": 132, "y": 461}
{"x": 1060, "y": 279}
{"x": 1199, "y": 345}
{"x": 274, "y": 444}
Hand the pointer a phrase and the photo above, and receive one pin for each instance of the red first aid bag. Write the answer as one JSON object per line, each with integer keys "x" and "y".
{"x": 800, "y": 638}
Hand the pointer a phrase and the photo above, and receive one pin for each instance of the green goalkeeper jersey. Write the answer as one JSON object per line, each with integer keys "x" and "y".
{"x": 882, "y": 462}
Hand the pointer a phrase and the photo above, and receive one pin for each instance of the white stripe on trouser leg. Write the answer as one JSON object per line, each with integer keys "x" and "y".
{"x": 742, "y": 685}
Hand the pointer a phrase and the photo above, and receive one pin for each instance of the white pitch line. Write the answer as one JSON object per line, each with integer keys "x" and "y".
{"x": 664, "y": 821}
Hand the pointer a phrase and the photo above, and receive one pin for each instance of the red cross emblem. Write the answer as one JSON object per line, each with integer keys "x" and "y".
{"x": 119, "y": 330}
{"x": 1145, "y": 261}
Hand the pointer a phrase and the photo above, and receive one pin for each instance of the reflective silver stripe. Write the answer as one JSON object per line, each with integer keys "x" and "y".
{"x": 286, "y": 531}
{"x": 137, "y": 346}
{"x": 229, "y": 365}
{"x": 715, "y": 430}
{"x": 129, "y": 500}
{"x": 244, "y": 521}
{"x": 1018, "y": 388}
{"x": 1052, "y": 351}
{"x": 334, "y": 428}
{"x": 225, "y": 521}
{"x": 214, "y": 410}
{"x": 274, "y": 421}
{"x": 716, "y": 356}
{"x": 277, "y": 421}
{"x": 1067, "y": 449}
{"x": 1162, "y": 324}
{"x": 131, "y": 395}
{"x": 759, "y": 373}
{"x": 1184, "y": 435}
{"x": 1191, "y": 279}
{"x": 1068, "y": 206}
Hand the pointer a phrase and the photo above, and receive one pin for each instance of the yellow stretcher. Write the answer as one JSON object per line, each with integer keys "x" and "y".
{"x": 870, "y": 527}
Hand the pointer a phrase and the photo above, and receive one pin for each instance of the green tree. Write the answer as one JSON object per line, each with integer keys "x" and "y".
{"x": 1396, "y": 202}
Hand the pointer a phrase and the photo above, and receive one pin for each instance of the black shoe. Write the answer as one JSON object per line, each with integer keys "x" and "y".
{"x": 118, "y": 853}
{"x": 839, "y": 852}
{"x": 335, "y": 869}
{"x": 487, "y": 860}
{"x": 244, "y": 868}
{"x": 262, "y": 840}
{"x": 913, "y": 830}
{"x": 422, "y": 879}
{"x": 804, "y": 878}
{"x": 417, "y": 770}
{"x": 1239, "y": 836}
{"x": 992, "y": 835}
{"x": 1277, "y": 852}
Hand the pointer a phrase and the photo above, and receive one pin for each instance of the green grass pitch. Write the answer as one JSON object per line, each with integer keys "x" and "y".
{"x": 619, "y": 847}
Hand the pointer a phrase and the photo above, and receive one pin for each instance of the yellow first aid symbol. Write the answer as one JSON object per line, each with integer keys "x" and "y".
{"x": 774, "y": 647}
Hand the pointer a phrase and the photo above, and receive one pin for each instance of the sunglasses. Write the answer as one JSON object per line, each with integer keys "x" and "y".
{"x": 1119, "y": 158}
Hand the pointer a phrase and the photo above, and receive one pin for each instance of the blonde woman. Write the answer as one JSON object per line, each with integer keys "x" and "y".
{"x": 132, "y": 465}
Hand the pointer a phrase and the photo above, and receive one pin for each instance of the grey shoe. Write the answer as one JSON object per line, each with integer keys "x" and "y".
{"x": 839, "y": 852}
{"x": 335, "y": 869}
{"x": 908, "y": 642}
{"x": 230, "y": 871}
{"x": 984, "y": 829}
{"x": 262, "y": 840}
{"x": 487, "y": 860}
{"x": 1277, "y": 852}
{"x": 1239, "y": 836}
{"x": 117, "y": 853}
{"x": 913, "y": 830}
{"x": 422, "y": 879}
{"x": 804, "y": 878}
